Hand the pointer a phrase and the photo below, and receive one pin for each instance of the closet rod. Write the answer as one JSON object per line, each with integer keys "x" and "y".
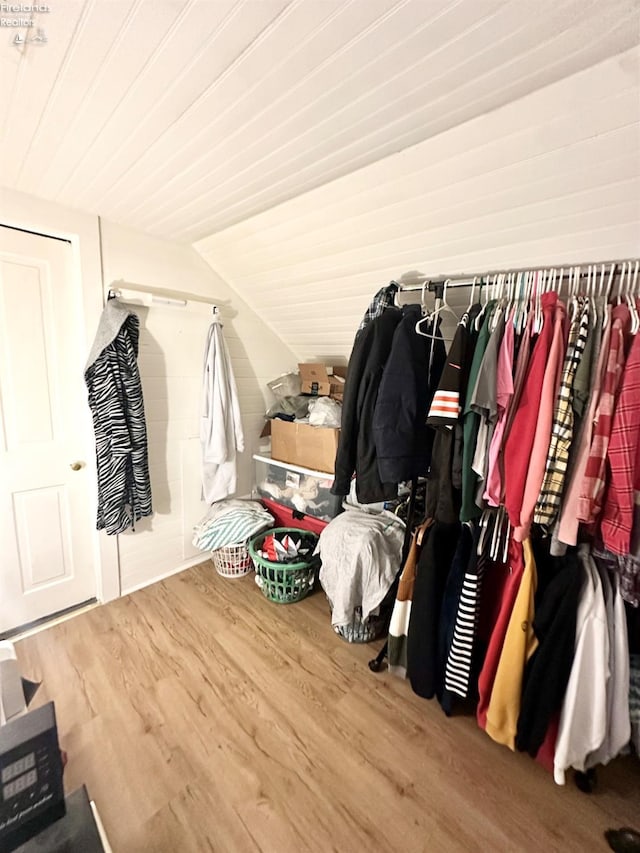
{"x": 161, "y": 293}
{"x": 467, "y": 279}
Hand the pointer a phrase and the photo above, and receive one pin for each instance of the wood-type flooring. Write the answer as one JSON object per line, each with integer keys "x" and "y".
{"x": 203, "y": 717}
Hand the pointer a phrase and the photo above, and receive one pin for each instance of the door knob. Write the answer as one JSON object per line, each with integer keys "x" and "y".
{"x": 76, "y": 466}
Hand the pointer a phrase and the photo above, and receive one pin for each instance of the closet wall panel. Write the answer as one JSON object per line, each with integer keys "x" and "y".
{"x": 170, "y": 359}
{"x": 552, "y": 177}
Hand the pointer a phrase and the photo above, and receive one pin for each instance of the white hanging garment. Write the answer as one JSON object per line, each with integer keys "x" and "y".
{"x": 583, "y": 719}
{"x": 221, "y": 433}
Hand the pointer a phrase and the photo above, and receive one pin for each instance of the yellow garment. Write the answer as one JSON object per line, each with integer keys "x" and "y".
{"x": 519, "y": 644}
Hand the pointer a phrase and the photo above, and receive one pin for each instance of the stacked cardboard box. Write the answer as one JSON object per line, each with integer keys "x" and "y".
{"x": 302, "y": 444}
{"x": 322, "y": 380}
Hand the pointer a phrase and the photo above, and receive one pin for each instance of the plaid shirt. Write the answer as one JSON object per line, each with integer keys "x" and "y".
{"x": 617, "y": 516}
{"x": 383, "y": 299}
{"x": 593, "y": 485}
{"x": 562, "y": 430}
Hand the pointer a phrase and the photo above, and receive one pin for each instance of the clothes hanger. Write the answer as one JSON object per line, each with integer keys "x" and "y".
{"x": 498, "y": 291}
{"x": 621, "y": 283}
{"x": 480, "y": 316}
{"x": 520, "y": 318}
{"x": 631, "y": 301}
{"x": 483, "y": 525}
{"x": 607, "y": 293}
{"x": 466, "y": 314}
{"x": 431, "y": 318}
{"x": 538, "y": 318}
{"x": 502, "y": 526}
{"x": 575, "y": 293}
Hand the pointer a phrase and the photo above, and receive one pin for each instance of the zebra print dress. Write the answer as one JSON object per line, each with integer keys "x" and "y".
{"x": 115, "y": 400}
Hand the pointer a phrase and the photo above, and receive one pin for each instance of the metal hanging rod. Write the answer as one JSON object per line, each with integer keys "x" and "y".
{"x": 468, "y": 279}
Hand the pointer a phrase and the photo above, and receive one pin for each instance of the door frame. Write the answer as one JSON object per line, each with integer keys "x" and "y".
{"x": 82, "y": 230}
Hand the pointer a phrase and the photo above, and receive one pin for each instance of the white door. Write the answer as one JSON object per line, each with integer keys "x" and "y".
{"x": 47, "y": 562}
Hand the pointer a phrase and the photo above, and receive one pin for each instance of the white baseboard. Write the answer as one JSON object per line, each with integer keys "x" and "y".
{"x": 188, "y": 564}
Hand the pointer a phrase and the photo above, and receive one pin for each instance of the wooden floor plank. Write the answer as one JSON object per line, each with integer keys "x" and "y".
{"x": 203, "y": 717}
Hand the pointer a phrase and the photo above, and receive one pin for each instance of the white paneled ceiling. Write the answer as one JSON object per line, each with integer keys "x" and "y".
{"x": 553, "y": 178}
{"x": 183, "y": 117}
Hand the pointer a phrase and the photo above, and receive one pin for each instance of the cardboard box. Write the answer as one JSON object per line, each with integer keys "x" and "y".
{"x": 322, "y": 380}
{"x": 304, "y": 445}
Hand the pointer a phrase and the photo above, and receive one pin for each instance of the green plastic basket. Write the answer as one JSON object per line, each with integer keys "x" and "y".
{"x": 285, "y": 583}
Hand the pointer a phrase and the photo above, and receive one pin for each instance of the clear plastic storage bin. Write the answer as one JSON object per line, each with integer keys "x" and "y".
{"x": 301, "y": 489}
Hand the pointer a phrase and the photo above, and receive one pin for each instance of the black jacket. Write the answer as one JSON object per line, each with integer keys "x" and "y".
{"x": 548, "y": 669}
{"x": 402, "y": 438}
{"x": 356, "y": 449}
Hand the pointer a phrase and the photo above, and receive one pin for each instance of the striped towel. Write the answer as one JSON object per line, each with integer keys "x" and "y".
{"x": 231, "y": 522}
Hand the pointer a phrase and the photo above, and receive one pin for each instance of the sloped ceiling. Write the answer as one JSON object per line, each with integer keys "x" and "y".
{"x": 184, "y": 117}
{"x": 553, "y": 178}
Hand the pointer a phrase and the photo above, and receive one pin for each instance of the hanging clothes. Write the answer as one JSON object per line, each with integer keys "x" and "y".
{"x": 384, "y": 298}
{"x": 618, "y": 729}
{"x": 356, "y": 448}
{"x": 583, "y": 720}
{"x": 623, "y": 458}
{"x": 536, "y": 416}
{"x": 548, "y": 669}
{"x": 502, "y": 583}
{"x": 563, "y": 419}
{"x": 568, "y": 523}
{"x": 542, "y": 434}
{"x": 221, "y": 436}
{"x": 458, "y": 620}
{"x": 493, "y": 492}
{"x": 519, "y": 644}
{"x": 400, "y": 617}
{"x": 469, "y": 509}
{"x": 428, "y": 591}
{"x": 594, "y": 482}
{"x": 115, "y": 399}
{"x": 484, "y": 402}
{"x": 463, "y": 656}
{"x": 444, "y": 484}
{"x": 402, "y": 438}
{"x": 520, "y": 439}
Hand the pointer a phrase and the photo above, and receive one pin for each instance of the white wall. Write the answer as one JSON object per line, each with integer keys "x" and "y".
{"x": 551, "y": 178}
{"x": 171, "y": 346}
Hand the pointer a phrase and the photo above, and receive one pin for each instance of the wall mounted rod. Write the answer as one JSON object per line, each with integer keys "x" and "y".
{"x": 160, "y": 294}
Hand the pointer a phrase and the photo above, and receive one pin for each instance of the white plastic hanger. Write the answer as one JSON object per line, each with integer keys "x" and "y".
{"x": 472, "y": 295}
{"x": 607, "y": 293}
{"x": 431, "y": 318}
{"x": 538, "y": 318}
{"x": 480, "y": 316}
{"x": 521, "y": 300}
{"x": 631, "y": 300}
